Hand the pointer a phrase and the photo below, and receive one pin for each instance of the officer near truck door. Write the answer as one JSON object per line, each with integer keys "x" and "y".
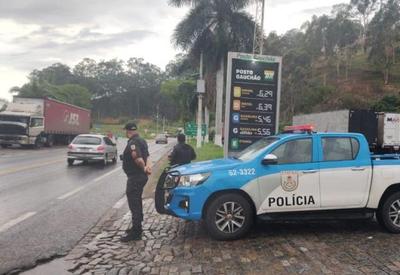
{"x": 135, "y": 167}
{"x": 182, "y": 153}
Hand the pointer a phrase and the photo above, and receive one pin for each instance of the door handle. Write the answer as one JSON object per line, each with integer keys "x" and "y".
{"x": 358, "y": 168}
{"x": 309, "y": 171}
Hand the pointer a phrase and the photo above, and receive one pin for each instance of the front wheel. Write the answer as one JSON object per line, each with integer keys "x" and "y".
{"x": 229, "y": 217}
{"x": 388, "y": 214}
{"x": 70, "y": 162}
{"x": 38, "y": 143}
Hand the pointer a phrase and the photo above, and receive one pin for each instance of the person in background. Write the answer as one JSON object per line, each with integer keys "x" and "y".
{"x": 182, "y": 153}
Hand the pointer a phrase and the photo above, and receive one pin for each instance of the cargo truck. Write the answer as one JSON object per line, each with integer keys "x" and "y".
{"x": 382, "y": 130}
{"x": 41, "y": 121}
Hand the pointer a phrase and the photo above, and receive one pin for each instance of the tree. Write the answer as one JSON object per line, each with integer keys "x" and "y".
{"x": 214, "y": 27}
{"x": 182, "y": 92}
{"x": 389, "y": 103}
{"x": 384, "y": 36}
{"x": 70, "y": 93}
{"x": 364, "y": 9}
{"x": 317, "y": 43}
{"x": 56, "y": 74}
{"x": 343, "y": 34}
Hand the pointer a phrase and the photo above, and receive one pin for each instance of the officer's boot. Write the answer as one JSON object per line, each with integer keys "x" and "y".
{"x": 133, "y": 234}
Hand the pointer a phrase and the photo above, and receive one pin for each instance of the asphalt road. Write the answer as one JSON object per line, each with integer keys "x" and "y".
{"x": 46, "y": 207}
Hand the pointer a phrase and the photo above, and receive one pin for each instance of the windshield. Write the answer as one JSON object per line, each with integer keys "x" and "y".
{"x": 21, "y": 119}
{"x": 87, "y": 140}
{"x": 250, "y": 152}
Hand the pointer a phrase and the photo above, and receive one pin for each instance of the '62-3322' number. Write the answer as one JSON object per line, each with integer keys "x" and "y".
{"x": 242, "y": 172}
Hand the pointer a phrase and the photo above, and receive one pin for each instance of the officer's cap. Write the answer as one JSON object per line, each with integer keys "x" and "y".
{"x": 130, "y": 126}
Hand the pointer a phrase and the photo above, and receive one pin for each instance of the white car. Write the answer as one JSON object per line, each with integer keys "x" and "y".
{"x": 92, "y": 147}
{"x": 161, "y": 138}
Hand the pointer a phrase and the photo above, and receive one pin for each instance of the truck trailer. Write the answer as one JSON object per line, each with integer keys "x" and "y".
{"x": 41, "y": 121}
{"x": 382, "y": 130}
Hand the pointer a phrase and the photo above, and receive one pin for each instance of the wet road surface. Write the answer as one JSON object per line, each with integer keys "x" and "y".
{"x": 46, "y": 207}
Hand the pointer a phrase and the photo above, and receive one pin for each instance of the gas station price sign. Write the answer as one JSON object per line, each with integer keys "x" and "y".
{"x": 252, "y": 99}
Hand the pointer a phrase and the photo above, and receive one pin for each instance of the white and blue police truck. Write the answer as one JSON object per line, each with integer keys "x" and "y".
{"x": 299, "y": 174}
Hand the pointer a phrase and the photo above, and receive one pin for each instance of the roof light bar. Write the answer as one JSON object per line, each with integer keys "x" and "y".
{"x": 299, "y": 128}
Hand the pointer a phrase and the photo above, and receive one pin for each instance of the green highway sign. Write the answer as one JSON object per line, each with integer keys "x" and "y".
{"x": 191, "y": 129}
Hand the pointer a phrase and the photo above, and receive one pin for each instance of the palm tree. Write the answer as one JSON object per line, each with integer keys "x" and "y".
{"x": 214, "y": 27}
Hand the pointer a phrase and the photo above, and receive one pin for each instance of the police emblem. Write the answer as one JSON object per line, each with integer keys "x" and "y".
{"x": 133, "y": 147}
{"x": 289, "y": 181}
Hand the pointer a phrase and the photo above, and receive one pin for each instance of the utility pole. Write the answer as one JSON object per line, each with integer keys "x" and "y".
{"x": 258, "y": 38}
{"x": 163, "y": 124}
{"x": 158, "y": 106}
{"x": 200, "y": 92}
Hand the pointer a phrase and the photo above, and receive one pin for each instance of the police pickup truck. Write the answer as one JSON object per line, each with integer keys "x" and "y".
{"x": 298, "y": 174}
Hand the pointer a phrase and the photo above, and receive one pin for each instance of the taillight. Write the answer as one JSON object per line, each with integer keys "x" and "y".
{"x": 100, "y": 148}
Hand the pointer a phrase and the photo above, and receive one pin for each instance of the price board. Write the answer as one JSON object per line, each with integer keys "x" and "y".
{"x": 252, "y": 99}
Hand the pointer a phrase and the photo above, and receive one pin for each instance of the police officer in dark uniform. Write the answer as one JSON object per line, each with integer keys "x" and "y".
{"x": 135, "y": 167}
{"x": 182, "y": 153}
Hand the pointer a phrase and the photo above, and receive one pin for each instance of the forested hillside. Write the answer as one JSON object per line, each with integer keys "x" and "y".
{"x": 349, "y": 58}
{"x": 112, "y": 89}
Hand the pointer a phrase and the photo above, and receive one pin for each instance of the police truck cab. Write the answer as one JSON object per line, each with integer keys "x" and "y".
{"x": 296, "y": 174}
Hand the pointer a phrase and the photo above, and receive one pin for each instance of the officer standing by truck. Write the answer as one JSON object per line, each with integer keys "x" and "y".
{"x": 135, "y": 167}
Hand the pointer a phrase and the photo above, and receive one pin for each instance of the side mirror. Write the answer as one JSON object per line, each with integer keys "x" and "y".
{"x": 270, "y": 159}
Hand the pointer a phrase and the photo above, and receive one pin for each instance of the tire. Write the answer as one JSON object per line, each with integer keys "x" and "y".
{"x": 5, "y": 145}
{"x": 38, "y": 144}
{"x": 388, "y": 214}
{"x": 70, "y": 162}
{"x": 50, "y": 141}
{"x": 159, "y": 194}
{"x": 224, "y": 228}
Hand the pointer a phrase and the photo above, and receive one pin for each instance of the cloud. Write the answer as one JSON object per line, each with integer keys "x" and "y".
{"x": 318, "y": 10}
{"x": 37, "y": 33}
{"x": 56, "y": 12}
{"x": 47, "y": 45}
{"x": 283, "y": 15}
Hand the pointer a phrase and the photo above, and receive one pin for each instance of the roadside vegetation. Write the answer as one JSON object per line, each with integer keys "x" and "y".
{"x": 147, "y": 128}
{"x": 349, "y": 58}
{"x": 207, "y": 151}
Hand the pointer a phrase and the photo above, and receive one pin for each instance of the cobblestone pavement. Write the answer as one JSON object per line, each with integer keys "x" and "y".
{"x": 174, "y": 246}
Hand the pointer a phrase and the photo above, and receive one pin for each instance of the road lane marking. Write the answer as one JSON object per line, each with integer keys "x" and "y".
{"x": 69, "y": 194}
{"x": 19, "y": 169}
{"x": 76, "y": 190}
{"x": 107, "y": 174}
{"x": 13, "y": 222}
{"x": 119, "y": 203}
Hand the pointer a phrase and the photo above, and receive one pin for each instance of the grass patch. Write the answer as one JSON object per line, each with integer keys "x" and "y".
{"x": 147, "y": 128}
{"x": 207, "y": 151}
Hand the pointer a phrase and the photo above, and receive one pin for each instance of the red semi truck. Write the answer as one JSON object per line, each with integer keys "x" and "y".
{"x": 41, "y": 121}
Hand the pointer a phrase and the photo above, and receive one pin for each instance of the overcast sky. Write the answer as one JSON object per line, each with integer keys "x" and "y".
{"x": 37, "y": 33}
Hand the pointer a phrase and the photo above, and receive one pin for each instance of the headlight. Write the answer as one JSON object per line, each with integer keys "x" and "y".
{"x": 193, "y": 180}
